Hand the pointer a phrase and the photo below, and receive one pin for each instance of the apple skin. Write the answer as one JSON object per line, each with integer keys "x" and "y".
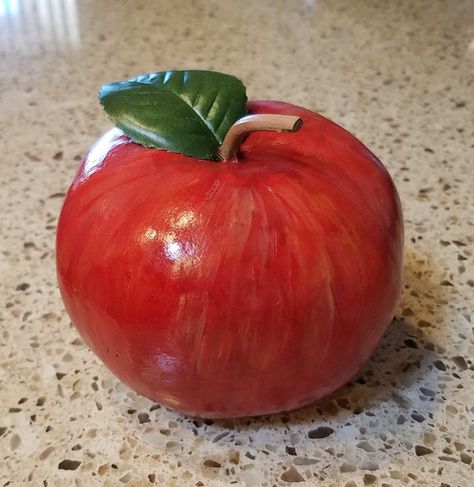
{"x": 233, "y": 288}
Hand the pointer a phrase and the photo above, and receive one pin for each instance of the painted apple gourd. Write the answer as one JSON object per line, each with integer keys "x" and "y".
{"x": 248, "y": 285}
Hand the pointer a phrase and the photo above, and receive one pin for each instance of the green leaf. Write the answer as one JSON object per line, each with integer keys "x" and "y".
{"x": 188, "y": 112}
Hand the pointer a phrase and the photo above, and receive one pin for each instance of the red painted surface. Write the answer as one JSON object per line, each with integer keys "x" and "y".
{"x": 233, "y": 288}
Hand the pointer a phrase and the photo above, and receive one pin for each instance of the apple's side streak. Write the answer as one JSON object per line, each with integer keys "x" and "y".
{"x": 233, "y": 288}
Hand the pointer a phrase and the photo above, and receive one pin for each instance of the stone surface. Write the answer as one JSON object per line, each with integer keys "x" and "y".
{"x": 399, "y": 75}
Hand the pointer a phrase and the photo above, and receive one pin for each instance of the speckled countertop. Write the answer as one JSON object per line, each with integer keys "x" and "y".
{"x": 400, "y": 75}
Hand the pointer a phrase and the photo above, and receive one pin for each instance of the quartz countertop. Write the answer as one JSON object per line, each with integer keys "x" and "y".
{"x": 400, "y": 76}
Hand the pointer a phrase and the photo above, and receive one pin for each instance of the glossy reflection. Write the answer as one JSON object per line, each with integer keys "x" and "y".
{"x": 175, "y": 249}
{"x": 185, "y": 219}
{"x": 98, "y": 151}
{"x": 233, "y": 289}
{"x": 39, "y": 25}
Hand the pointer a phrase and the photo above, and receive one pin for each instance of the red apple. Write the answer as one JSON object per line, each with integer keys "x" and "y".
{"x": 233, "y": 288}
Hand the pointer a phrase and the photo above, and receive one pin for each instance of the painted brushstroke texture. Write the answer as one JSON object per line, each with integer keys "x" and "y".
{"x": 233, "y": 289}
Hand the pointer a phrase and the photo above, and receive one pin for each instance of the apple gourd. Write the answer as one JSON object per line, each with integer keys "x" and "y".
{"x": 223, "y": 257}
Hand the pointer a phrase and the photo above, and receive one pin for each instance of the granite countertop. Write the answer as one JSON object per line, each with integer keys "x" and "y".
{"x": 399, "y": 75}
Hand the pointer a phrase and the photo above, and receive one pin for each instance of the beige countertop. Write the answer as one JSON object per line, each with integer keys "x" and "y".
{"x": 400, "y": 76}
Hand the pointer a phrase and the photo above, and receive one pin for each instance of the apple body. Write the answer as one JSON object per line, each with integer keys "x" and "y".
{"x": 233, "y": 288}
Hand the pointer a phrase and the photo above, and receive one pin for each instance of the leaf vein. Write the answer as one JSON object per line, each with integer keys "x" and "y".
{"x": 195, "y": 112}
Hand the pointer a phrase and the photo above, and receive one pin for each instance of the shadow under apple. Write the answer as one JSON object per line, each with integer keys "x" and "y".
{"x": 389, "y": 407}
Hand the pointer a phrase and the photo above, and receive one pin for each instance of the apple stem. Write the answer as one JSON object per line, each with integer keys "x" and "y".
{"x": 251, "y": 123}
